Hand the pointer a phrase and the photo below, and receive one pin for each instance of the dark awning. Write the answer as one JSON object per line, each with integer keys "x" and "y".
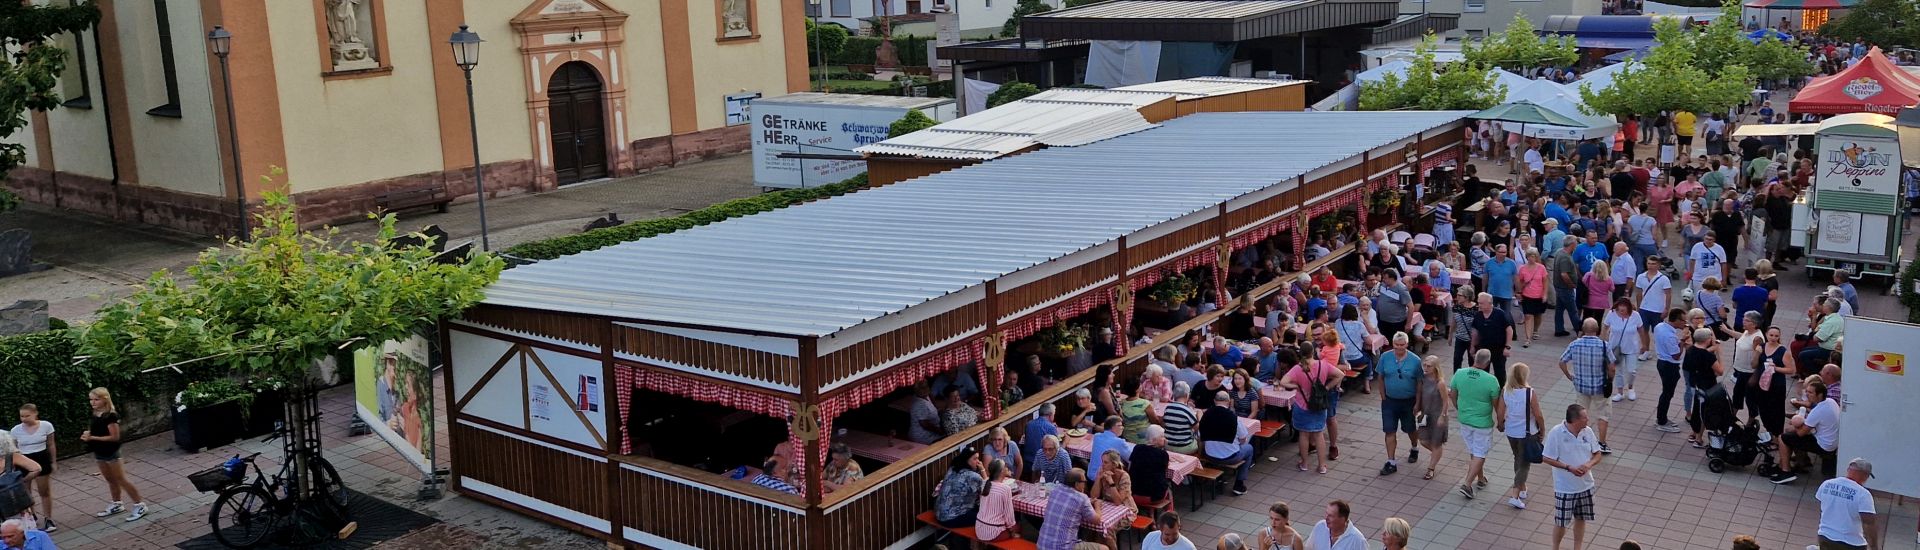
{"x": 1014, "y": 50}
{"x": 1414, "y": 25}
{"x": 1203, "y": 20}
{"x": 1607, "y": 32}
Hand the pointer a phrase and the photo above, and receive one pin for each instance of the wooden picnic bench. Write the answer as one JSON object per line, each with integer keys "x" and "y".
{"x": 435, "y": 196}
{"x": 968, "y": 533}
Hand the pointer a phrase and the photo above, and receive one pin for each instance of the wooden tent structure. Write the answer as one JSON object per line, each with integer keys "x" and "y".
{"x": 806, "y": 313}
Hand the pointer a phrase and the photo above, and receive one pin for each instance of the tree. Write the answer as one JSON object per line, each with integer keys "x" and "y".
{"x": 913, "y": 121}
{"x": 28, "y": 76}
{"x": 1463, "y": 85}
{"x": 1669, "y": 79}
{"x": 1022, "y": 9}
{"x": 1880, "y": 22}
{"x": 1518, "y": 48}
{"x": 1724, "y": 43}
{"x": 824, "y": 41}
{"x": 1010, "y": 92}
{"x": 266, "y": 308}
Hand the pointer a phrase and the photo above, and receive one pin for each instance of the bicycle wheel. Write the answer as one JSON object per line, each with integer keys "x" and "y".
{"x": 327, "y": 482}
{"x": 243, "y": 516}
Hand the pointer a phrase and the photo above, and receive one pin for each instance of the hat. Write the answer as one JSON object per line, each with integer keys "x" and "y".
{"x": 1862, "y": 465}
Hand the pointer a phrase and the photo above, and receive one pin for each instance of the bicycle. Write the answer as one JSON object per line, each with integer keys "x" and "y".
{"x": 247, "y": 513}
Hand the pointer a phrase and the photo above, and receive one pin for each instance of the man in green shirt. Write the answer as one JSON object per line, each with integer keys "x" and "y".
{"x": 1714, "y": 180}
{"x": 1826, "y": 336}
{"x": 1756, "y": 168}
{"x": 1474, "y": 392}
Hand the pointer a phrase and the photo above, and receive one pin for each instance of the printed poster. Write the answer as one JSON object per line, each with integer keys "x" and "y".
{"x": 393, "y": 387}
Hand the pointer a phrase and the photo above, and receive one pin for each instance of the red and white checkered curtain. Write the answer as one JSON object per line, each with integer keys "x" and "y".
{"x": 1205, "y": 256}
{"x": 1122, "y": 320}
{"x": 1033, "y": 322}
{"x": 899, "y": 376}
{"x": 1264, "y": 232}
{"x": 1300, "y": 241}
{"x": 1450, "y": 154}
{"x": 626, "y": 378}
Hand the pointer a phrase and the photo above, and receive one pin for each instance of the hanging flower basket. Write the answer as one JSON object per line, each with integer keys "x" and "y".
{"x": 1062, "y": 339}
{"x": 1384, "y": 201}
{"x": 1172, "y": 290}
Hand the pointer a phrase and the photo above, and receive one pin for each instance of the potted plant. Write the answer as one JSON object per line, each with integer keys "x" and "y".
{"x": 210, "y": 413}
{"x": 1062, "y": 339}
{"x": 1173, "y": 290}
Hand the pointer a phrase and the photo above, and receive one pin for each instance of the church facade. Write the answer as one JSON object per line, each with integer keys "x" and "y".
{"x": 356, "y": 102}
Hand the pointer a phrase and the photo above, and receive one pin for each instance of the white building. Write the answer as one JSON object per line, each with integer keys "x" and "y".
{"x": 978, "y": 18}
{"x": 1479, "y": 18}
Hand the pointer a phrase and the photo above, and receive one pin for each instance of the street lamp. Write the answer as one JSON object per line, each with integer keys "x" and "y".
{"x": 466, "y": 54}
{"x": 221, "y": 43}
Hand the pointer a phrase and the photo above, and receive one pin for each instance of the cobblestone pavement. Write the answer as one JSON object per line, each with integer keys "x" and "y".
{"x": 96, "y": 261}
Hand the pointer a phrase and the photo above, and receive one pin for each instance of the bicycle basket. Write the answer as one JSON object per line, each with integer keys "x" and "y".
{"x": 211, "y": 479}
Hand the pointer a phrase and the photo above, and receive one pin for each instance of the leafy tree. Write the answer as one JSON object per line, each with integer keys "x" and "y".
{"x": 1518, "y": 48}
{"x": 1464, "y": 85}
{"x": 1078, "y": 3}
{"x": 30, "y": 71}
{"x": 1669, "y": 78}
{"x": 824, "y": 41}
{"x": 1882, "y": 22}
{"x": 1010, "y": 92}
{"x": 913, "y": 121}
{"x": 1724, "y": 43}
{"x": 1022, "y": 9}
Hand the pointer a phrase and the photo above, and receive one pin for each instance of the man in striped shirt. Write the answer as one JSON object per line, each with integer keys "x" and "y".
{"x": 1585, "y": 363}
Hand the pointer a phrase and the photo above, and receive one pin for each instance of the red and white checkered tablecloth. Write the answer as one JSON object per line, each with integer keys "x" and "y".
{"x": 1031, "y": 499}
{"x": 1179, "y": 466}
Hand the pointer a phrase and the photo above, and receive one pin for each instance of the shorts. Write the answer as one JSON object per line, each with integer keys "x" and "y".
{"x": 1478, "y": 440}
{"x": 1650, "y": 318}
{"x": 1333, "y": 404}
{"x": 44, "y": 459}
{"x": 1803, "y": 443}
{"x": 107, "y": 456}
{"x": 1830, "y": 544}
{"x": 1533, "y": 306}
{"x": 1599, "y": 407}
{"x": 1684, "y": 140}
{"x": 1396, "y": 412}
{"x": 1569, "y": 507}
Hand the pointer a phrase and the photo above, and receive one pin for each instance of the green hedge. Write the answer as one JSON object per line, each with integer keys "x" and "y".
{"x": 632, "y": 231}
{"x": 39, "y": 368}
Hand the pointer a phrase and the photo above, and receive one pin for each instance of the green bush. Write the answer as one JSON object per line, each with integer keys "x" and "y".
{"x": 1010, "y": 92}
{"x": 8, "y": 200}
{"x": 632, "y": 231}
{"x": 911, "y": 122}
{"x": 39, "y": 368}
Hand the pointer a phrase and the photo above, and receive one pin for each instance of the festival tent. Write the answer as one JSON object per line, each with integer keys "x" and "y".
{"x": 1600, "y": 79}
{"x": 1874, "y": 85}
{"x": 1560, "y": 99}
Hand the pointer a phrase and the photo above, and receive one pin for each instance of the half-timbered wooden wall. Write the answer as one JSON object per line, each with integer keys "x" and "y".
{"x": 666, "y": 503}
{"x": 882, "y": 512}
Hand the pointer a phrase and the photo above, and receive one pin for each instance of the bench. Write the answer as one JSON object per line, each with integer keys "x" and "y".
{"x": 1269, "y": 431}
{"x": 969, "y": 534}
{"x": 1211, "y": 479}
{"x": 435, "y": 196}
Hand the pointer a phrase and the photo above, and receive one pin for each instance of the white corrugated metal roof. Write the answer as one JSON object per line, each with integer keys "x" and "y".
{"x": 1208, "y": 86}
{"x": 1063, "y": 119}
{"x": 856, "y": 100}
{"x": 821, "y": 267}
{"x": 1174, "y": 9}
{"x": 1135, "y": 98}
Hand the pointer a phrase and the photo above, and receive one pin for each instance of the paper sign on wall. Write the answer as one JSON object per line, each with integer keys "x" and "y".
{"x": 541, "y": 402}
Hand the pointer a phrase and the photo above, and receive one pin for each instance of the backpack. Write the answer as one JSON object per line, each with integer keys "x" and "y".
{"x": 1317, "y": 394}
{"x": 15, "y": 498}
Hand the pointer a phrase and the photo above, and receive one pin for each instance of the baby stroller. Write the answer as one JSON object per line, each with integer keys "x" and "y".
{"x": 1730, "y": 443}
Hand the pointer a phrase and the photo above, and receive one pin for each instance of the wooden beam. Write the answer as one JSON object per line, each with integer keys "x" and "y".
{"x": 810, "y": 404}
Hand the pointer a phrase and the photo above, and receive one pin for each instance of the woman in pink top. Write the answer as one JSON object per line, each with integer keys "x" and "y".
{"x": 995, "y": 521}
{"x": 1532, "y": 285}
{"x": 1660, "y": 197}
{"x": 1599, "y": 283}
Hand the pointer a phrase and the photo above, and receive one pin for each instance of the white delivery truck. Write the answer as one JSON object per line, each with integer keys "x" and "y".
{"x": 1853, "y": 213}
{"x": 825, "y": 125}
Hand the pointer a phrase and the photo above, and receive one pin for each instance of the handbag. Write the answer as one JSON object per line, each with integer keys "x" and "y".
{"x": 15, "y": 498}
{"x": 1531, "y": 447}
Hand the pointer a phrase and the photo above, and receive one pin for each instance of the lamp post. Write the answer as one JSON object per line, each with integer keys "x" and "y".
{"x": 466, "y": 54}
{"x": 221, "y": 42}
{"x": 819, "y": 53}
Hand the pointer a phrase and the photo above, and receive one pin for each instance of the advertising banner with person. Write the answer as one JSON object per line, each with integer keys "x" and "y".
{"x": 393, "y": 386}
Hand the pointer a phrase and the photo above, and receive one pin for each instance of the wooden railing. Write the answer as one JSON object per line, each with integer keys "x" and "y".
{"x": 879, "y": 511}
{"x": 700, "y": 509}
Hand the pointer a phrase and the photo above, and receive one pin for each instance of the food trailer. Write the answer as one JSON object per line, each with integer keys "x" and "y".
{"x": 1854, "y": 215}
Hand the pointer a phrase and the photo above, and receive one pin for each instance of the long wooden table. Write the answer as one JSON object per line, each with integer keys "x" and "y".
{"x": 879, "y": 447}
{"x": 1031, "y": 499}
{"x": 1178, "y": 465}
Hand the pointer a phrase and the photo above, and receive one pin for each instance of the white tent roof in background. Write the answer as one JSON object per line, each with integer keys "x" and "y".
{"x": 1512, "y": 81}
{"x": 1376, "y": 74}
{"x": 1565, "y": 101}
{"x": 1600, "y": 79}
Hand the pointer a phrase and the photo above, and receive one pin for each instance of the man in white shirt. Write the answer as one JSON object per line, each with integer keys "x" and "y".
{"x": 1572, "y": 450}
{"x": 1337, "y": 531}
{"x": 1847, "y": 516}
{"x": 1624, "y": 269}
{"x": 1532, "y": 158}
{"x": 1168, "y": 537}
{"x": 1650, "y": 289}
{"x": 1817, "y": 432}
{"x": 1707, "y": 259}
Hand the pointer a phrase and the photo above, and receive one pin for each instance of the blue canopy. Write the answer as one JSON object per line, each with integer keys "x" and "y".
{"x": 1761, "y": 34}
{"x": 1607, "y": 32}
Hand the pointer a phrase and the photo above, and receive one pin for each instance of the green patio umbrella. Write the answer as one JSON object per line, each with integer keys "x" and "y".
{"x": 1527, "y": 112}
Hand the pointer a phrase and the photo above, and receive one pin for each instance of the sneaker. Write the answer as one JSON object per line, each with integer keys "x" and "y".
{"x": 1413, "y": 456}
{"x": 49, "y": 527}
{"x": 1604, "y": 449}
{"x": 1561, "y": 334}
{"x": 1523, "y": 495}
{"x": 1466, "y": 491}
{"x": 112, "y": 509}
{"x": 1633, "y": 395}
{"x": 1389, "y": 469}
{"x": 139, "y": 511}
{"x": 1783, "y": 478}
{"x": 1482, "y": 484}
{"x": 1239, "y": 488}
{"x": 1668, "y": 427}
{"x": 1517, "y": 504}
{"x": 1616, "y": 398}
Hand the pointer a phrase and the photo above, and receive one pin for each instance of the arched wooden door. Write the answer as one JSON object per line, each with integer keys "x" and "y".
{"x": 578, "y": 123}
